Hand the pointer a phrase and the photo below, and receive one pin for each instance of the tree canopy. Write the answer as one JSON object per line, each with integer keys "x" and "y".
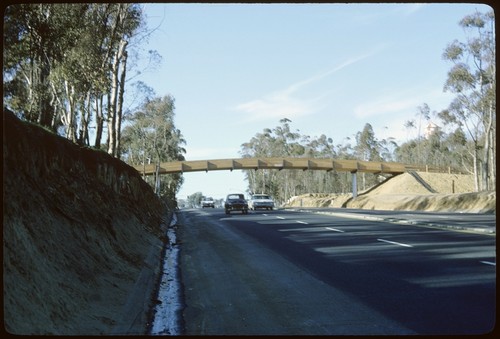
{"x": 150, "y": 136}
{"x": 472, "y": 79}
{"x": 65, "y": 66}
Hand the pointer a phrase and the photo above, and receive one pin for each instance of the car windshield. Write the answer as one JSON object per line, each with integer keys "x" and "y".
{"x": 258, "y": 197}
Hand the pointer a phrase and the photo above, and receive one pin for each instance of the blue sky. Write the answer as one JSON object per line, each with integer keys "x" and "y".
{"x": 235, "y": 69}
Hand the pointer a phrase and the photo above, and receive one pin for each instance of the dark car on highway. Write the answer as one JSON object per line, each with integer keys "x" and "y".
{"x": 236, "y": 202}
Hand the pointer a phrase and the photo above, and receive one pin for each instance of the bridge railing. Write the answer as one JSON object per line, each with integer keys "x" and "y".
{"x": 432, "y": 169}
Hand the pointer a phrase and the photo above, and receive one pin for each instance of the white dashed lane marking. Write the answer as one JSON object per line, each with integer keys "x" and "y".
{"x": 395, "y": 243}
{"x": 334, "y": 229}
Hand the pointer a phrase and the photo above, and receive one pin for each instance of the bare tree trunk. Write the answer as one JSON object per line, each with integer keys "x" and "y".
{"x": 58, "y": 107}
{"x": 484, "y": 165}
{"x": 475, "y": 164}
{"x": 86, "y": 113}
{"x": 88, "y": 119}
{"x": 119, "y": 110}
{"x": 488, "y": 125}
{"x": 114, "y": 95}
{"x": 44, "y": 107}
{"x": 489, "y": 151}
{"x": 112, "y": 110}
{"x": 68, "y": 118}
{"x": 99, "y": 121}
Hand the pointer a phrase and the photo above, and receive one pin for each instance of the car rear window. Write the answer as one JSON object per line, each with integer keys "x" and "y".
{"x": 261, "y": 197}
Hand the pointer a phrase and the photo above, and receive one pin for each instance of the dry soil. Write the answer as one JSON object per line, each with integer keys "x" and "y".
{"x": 404, "y": 192}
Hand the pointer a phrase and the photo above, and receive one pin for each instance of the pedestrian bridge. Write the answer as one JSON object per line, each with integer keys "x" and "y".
{"x": 303, "y": 164}
{"x": 352, "y": 166}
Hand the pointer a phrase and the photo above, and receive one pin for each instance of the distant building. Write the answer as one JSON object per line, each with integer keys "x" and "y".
{"x": 431, "y": 129}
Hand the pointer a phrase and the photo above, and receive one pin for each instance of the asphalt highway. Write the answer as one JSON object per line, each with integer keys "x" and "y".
{"x": 288, "y": 272}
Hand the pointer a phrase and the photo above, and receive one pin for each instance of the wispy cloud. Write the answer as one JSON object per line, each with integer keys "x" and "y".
{"x": 277, "y": 105}
{"x": 409, "y": 9}
{"x": 383, "y": 12}
{"x": 286, "y": 103}
{"x": 297, "y": 86}
{"x": 386, "y": 106}
{"x": 403, "y": 102}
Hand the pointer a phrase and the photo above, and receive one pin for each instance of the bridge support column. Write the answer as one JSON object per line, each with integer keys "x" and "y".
{"x": 354, "y": 185}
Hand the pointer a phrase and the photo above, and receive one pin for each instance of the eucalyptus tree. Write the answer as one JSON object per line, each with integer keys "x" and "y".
{"x": 280, "y": 141}
{"x": 367, "y": 149}
{"x": 283, "y": 141}
{"x": 387, "y": 149}
{"x": 456, "y": 146}
{"x": 423, "y": 113}
{"x": 36, "y": 39}
{"x": 439, "y": 149}
{"x": 151, "y": 137}
{"x": 319, "y": 181}
{"x": 126, "y": 19}
{"x": 473, "y": 79}
{"x": 65, "y": 64}
{"x": 260, "y": 145}
{"x": 286, "y": 144}
{"x": 194, "y": 200}
{"x": 81, "y": 80}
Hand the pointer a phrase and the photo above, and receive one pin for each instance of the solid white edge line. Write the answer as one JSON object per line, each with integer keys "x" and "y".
{"x": 395, "y": 243}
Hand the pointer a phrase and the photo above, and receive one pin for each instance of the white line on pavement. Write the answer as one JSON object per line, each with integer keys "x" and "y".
{"x": 302, "y": 222}
{"x": 334, "y": 229}
{"x": 280, "y": 218}
{"x": 488, "y": 263}
{"x": 395, "y": 243}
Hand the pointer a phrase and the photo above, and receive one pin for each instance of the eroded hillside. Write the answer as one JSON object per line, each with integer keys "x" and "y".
{"x": 82, "y": 237}
{"x": 453, "y": 193}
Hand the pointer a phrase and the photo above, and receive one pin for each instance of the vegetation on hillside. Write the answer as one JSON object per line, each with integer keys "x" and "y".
{"x": 66, "y": 67}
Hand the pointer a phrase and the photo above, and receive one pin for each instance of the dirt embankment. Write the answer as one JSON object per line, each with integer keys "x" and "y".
{"x": 453, "y": 193}
{"x": 82, "y": 238}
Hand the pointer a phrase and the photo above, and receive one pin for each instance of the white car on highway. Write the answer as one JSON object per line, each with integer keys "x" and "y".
{"x": 207, "y": 202}
{"x": 263, "y": 201}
